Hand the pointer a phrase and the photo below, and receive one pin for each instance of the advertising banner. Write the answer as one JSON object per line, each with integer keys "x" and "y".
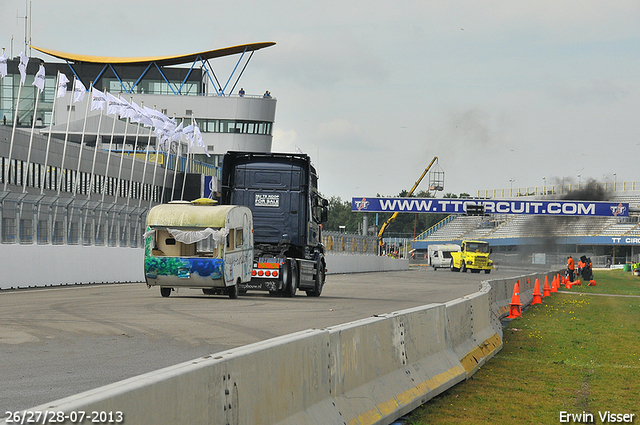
{"x": 492, "y": 206}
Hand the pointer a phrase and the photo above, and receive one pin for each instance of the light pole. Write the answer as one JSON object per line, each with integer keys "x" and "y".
{"x": 544, "y": 189}
{"x": 615, "y": 181}
{"x": 579, "y": 181}
{"x": 511, "y": 189}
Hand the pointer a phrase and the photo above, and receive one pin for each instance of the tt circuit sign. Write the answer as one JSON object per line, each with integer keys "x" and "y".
{"x": 491, "y": 206}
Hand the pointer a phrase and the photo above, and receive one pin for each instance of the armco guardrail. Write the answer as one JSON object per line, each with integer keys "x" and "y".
{"x": 371, "y": 371}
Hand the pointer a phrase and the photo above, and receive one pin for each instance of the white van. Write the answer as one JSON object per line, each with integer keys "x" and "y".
{"x": 440, "y": 255}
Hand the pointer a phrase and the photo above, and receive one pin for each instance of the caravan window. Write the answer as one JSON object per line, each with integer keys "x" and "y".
{"x": 239, "y": 241}
{"x": 166, "y": 245}
{"x": 231, "y": 240}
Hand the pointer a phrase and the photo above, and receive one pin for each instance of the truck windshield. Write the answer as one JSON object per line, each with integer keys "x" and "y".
{"x": 478, "y": 247}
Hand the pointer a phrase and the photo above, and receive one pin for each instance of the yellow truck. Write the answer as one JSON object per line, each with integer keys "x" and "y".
{"x": 474, "y": 256}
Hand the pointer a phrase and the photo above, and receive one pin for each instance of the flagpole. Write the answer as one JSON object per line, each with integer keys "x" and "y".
{"x": 84, "y": 129}
{"x": 33, "y": 126}
{"x": 166, "y": 167}
{"x": 124, "y": 140}
{"x": 95, "y": 152}
{"x": 106, "y": 173}
{"x": 93, "y": 165}
{"x": 133, "y": 164}
{"x": 66, "y": 136}
{"x": 13, "y": 133}
{"x": 144, "y": 169}
{"x": 46, "y": 155}
{"x": 155, "y": 168}
{"x": 175, "y": 171}
{"x": 186, "y": 162}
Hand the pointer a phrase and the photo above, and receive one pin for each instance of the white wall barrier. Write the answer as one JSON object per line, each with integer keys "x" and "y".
{"x": 25, "y": 266}
{"x": 353, "y": 263}
{"x": 32, "y": 265}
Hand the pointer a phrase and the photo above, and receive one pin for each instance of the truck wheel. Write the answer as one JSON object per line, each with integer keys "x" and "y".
{"x": 292, "y": 278}
{"x": 165, "y": 292}
{"x": 317, "y": 290}
{"x": 487, "y": 271}
{"x": 454, "y": 269}
{"x": 233, "y": 291}
{"x": 463, "y": 268}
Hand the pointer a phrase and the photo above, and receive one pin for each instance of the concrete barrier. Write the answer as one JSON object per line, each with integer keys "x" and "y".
{"x": 351, "y": 263}
{"x": 35, "y": 265}
{"x": 25, "y": 266}
{"x": 371, "y": 371}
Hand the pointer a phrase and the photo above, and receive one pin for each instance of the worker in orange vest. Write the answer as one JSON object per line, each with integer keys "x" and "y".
{"x": 571, "y": 267}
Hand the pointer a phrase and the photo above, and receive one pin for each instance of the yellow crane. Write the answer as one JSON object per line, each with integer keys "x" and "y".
{"x": 395, "y": 214}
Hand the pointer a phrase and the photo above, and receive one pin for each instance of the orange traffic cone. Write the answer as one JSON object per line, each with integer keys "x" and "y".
{"x": 537, "y": 296}
{"x": 554, "y": 284}
{"x": 592, "y": 283}
{"x": 515, "y": 304}
{"x": 546, "y": 289}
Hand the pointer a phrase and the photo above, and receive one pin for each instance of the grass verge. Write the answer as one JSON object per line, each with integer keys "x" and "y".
{"x": 577, "y": 352}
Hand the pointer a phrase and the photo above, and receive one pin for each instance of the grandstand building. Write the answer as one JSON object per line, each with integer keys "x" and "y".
{"x": 76, "y": 177}
{"x": 547, "y": 240}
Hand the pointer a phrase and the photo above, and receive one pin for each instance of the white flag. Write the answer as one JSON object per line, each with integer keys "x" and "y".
{"x": 38, "y": 80}
{"x": 3, "y": 65}
{"x": 127, "y": 109}
{"x": 114, "y": 105}
{"x": 62, "y": 85}
{"x": 177, "y": 133}
{"x": 22, "y": 67}
{"x": 98, "y": 99}
{"x": 158, "y": 118}
{"x": 141, "y": 115}
{"x": 164, "y": 139}
{"x": 188, "y": 132}
{"x": 79, "y": 92}
{"x": 199, "y": 140}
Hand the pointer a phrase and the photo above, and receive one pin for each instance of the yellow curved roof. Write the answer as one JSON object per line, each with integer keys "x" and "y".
{"x": 160, "y": 60}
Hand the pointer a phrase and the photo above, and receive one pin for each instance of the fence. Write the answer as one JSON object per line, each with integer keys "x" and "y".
{"x": 348, "y": 243}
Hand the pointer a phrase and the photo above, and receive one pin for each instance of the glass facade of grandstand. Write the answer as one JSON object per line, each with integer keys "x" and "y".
{"x": 9, "y": 87}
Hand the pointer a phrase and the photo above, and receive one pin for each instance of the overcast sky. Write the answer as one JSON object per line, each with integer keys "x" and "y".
{"x": 373, "y": 90}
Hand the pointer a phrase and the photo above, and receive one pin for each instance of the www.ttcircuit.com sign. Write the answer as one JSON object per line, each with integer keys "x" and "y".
{"x": 492, "y": 206}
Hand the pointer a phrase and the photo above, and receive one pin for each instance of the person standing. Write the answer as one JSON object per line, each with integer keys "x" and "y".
{"x": 571, "y": 268}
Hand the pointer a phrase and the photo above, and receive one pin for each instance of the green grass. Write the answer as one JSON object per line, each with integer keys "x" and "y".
{"x": 575, "y": 353}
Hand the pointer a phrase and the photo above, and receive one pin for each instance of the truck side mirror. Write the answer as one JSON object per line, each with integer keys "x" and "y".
{"x": 324, "y": 215}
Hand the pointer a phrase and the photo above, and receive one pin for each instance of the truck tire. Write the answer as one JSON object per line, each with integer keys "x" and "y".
{"x": 487, "y": 271}
{"x": 291, "y": 268}
{"x": 233, "y": 290}
{"x": 317, "y": 290}
{"x": 454, "y": 269}
{"x": 165, "y": 292}
{"x": 463, "y": 268}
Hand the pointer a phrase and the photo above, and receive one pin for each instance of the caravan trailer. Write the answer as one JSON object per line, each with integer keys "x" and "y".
{"x": 198, "y": 245}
